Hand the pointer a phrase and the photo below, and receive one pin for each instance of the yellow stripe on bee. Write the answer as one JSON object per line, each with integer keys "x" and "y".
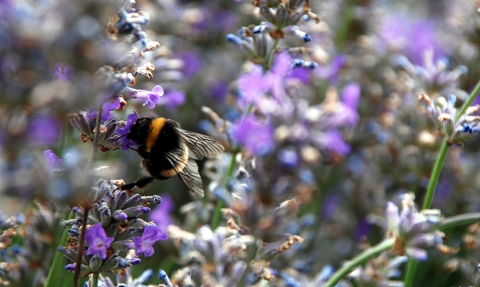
{"x": 168, "y": 173}
{"x": 179, "y": 166}
{"x": 155, "y": 128}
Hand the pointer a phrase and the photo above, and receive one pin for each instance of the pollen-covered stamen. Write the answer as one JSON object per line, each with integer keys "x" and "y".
{"x": 426, "y": 99}
{"x": 444, "y": 117}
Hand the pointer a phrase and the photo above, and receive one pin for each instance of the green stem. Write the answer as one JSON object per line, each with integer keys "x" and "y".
{"x": 345, "y": 28}
{"x": 437, "y": 168}
{"x": 81, "y": 245}
{"x": 453, "y": 221}
{"x": 86, "y": 206}
{"x": 266, "y": 64}
{"x": 217, "y": 216}
{"x": 457, "y": 220}
{"x": 251, "y": 256}
{"x": 427, "y": 203}
{"x": 359, "y": 260}
{"x": 218, "y": 209}
{"x": 94, "y": 279}
{"x": 468, "y": 103}
{"x": 410, "y": 273}
{"x": 57, "y": 272}
{"x": 96, "y": 139}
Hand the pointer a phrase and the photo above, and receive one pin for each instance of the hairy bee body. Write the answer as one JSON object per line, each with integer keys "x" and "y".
{"x": 167, "y": 150}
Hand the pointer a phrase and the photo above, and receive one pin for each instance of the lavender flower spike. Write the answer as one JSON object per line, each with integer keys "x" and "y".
{"x": 413, "y": 230}
{"x": 444, "y": 114}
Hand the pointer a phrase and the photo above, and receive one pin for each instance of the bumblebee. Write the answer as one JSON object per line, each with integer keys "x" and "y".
{"x": 167, "y": 150}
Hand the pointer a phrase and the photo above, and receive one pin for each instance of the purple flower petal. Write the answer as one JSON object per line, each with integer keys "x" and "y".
{"x": 192, "y": 63}
{"x": 63, "y": 72}
{"x": 254, "y": 136}
{"x": 53, "y": 161}
{"x": 416, "y": 253}
{"x": 282, "y": 64}
{"x": 332, "y": 70}
{"x": 351, "y": 95}
{"x": 348, "y": 116}
{"x": 144, "y": 244}
{"x": 252, "y": 85}
{"x": 393, "y": 219}
{"x": 150, "y": 98}
{"x": 302, "y": 74}
{"x": 44, "y": 130}
{"x": 131, "y": 118}
{"x": 108, "y": 107}
{"x": 275, "y": 80}
{"x": 219, "y": 90}
{"x": 97, "y": 241}
{"x": 333, "y": 140}
{"x": 413, "y": 37}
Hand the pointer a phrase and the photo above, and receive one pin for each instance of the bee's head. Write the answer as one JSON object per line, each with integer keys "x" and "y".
{"x": 139, "y": 130}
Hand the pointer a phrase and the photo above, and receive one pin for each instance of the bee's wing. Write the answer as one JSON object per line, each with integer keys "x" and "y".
{"x": 189, "y": 174}
{"x": 192, "y": 179}
{"x": 200, "y": 145}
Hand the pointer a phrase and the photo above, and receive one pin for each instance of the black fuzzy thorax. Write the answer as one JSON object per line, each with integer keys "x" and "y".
{"x": 168, "y": 139}
{"x": 139, "y": 131}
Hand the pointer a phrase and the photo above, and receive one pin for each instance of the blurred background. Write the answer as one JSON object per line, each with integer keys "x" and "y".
{"x": 389, "y": 50}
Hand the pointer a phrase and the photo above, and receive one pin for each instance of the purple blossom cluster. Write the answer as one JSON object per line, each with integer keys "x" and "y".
{"x": 113, "y": 226}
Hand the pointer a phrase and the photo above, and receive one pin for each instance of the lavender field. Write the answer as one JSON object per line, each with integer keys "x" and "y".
{"x": 225, "y": 143}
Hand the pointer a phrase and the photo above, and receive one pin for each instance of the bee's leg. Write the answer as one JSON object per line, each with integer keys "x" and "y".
{"x": 142, "y": 182}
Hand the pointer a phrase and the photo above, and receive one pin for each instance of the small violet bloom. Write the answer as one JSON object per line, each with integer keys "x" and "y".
{"x": 252, "y": 85}
{"x": 150, "y": 98}
{"x": 275, "y": 79}
{"x": 193, "y": 63}
{"x": 97, "y": 241}
{"x": 414, "y": 231}
{"x": 54, "y": 163}
{"x": 413, "y": 37}
{"x": 131, "y": 118}
{"x": 254, "y": 136}
{"x": 350, "y": 97}
{"x": 144, "y": 244}
{"x": 332, "y": 71}
{"x": 108, "y": 107}
{"x": 333, "y": 140}
{"x": 444, "y": 113}
{"x": 63, "y": 72}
